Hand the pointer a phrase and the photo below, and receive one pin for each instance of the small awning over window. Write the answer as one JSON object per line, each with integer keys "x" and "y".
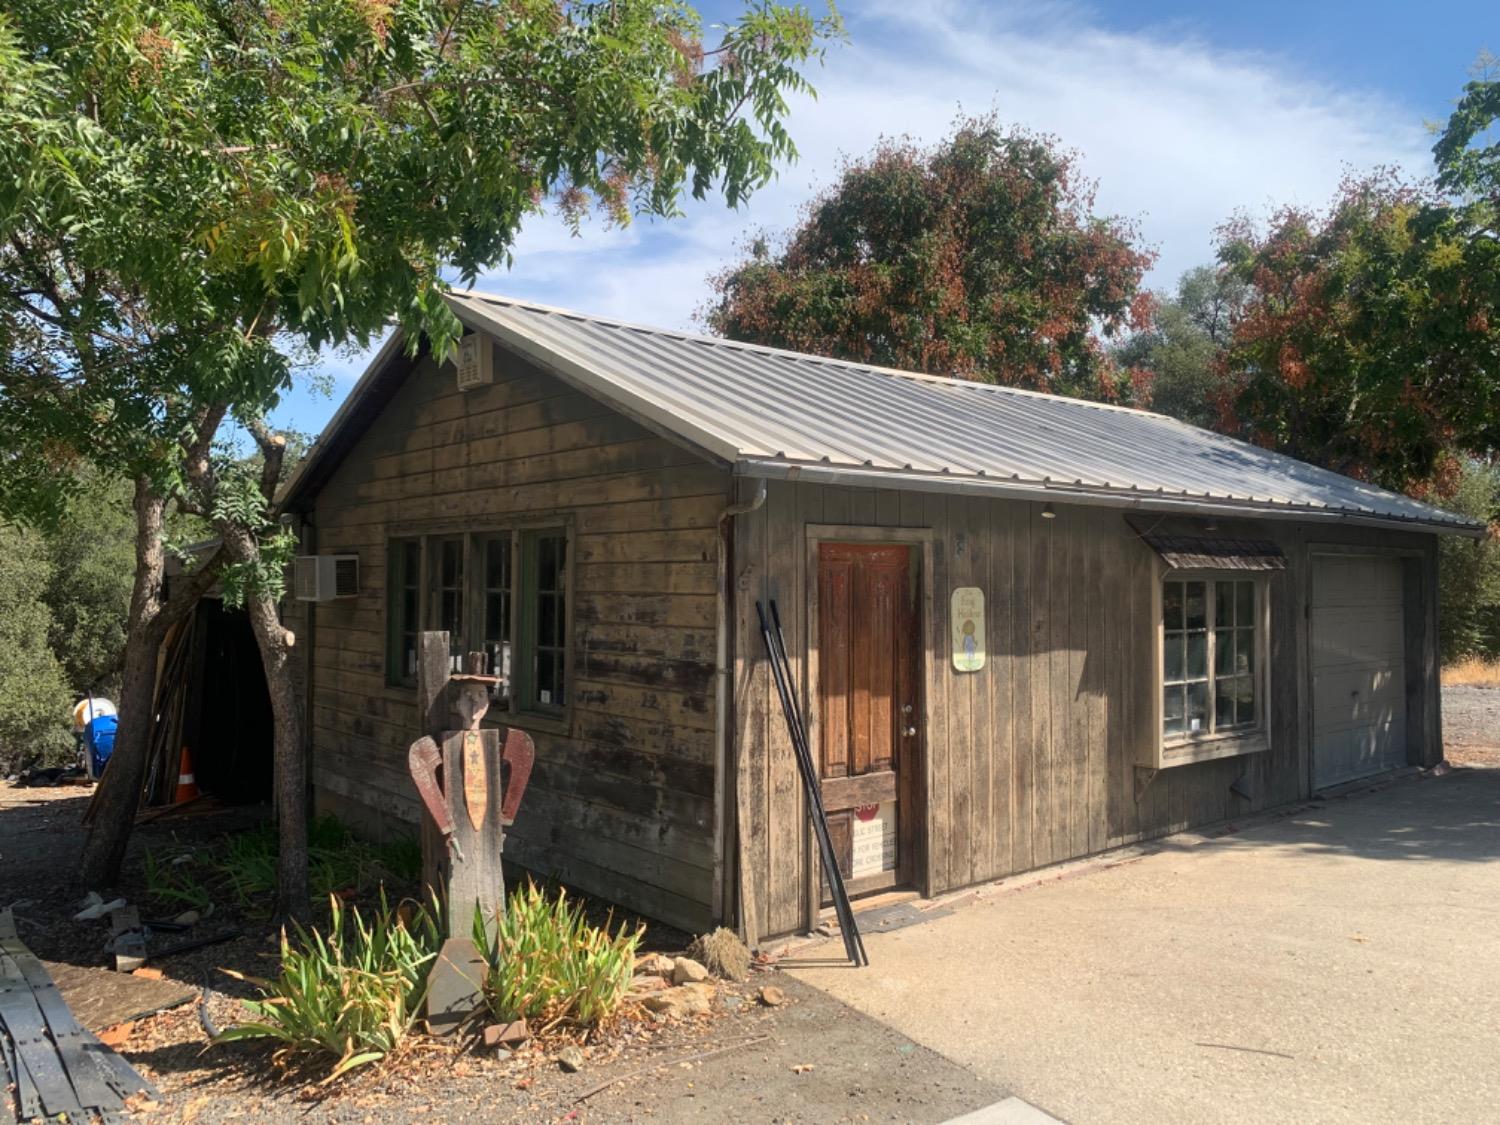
{"x": 1192, "y": 552}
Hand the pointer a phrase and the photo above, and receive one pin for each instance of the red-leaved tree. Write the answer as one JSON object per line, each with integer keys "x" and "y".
{"x": 979, "y": 257}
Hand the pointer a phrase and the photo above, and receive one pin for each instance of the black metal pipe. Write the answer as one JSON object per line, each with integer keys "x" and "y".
{"x": 781, "y": 673}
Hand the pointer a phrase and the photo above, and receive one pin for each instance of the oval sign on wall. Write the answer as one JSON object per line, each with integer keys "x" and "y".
{"x": 967, "y": 620}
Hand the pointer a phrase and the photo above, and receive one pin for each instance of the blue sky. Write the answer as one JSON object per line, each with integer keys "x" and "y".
{"x": 1184, "y": 113}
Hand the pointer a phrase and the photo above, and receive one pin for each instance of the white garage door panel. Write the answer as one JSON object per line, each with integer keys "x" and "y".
{"x": 1358, "y": 668}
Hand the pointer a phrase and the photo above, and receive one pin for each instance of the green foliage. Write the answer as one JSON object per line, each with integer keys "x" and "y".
{"x": 35, "y": 704}
{"x": 547, "y": 963}
{"x": 242, "y": 867}
{"x": 1369, "y": 341}
{"x": 1180, "y": 351}
{"x": 351, "y": 995}
{"x": 92, "y": 547}
{"x": 1469, "y": 571}
{"x": 1467, "y": 165}
{"x": 171, "y": 881}
{"x": 194, "y": 191}
{"x": 979, "y": 257}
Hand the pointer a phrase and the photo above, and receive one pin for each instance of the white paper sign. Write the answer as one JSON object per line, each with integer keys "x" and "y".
{"x": 968, "y": 628}
{"x": 873, "y": 835}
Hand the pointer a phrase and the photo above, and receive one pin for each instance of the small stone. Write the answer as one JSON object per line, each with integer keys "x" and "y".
{"x": 687, "y": 971}
{"x": 501, "y": 1034}
{"x": 187, "y": 918}
{"x": 733, "y": 1001}
{"x": 686, "y": 1000}
{"x": 771, "y": 996}
{"x": 570, "y": 1058}
{"x": 658, "y": 963}
{"x": 647, "y": 982}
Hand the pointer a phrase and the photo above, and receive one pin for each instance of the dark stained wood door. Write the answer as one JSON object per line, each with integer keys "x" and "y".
{"x": 869, "y": 710}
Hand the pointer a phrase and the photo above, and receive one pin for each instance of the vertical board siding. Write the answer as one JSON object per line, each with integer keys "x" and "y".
{"x": 621, "y": 802}
{"x": 1032, "y": 760}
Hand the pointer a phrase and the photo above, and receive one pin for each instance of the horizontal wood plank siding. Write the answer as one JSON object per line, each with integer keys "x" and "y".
{"x": 621, "y": 802}
{"x": 1030, "y": 761}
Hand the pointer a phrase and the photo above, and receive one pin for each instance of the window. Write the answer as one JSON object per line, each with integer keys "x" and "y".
{"x": 494, "y": 631}
{"x": 543, "y": 642}
{"x": 447, "y": 610}
{"x": 404, "y": 570}
{"x": 1211, "y": 655}
{"x": 505, "y": 592}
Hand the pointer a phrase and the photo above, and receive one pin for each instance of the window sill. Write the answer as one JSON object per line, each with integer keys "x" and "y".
{"x": 1207, "y": 749}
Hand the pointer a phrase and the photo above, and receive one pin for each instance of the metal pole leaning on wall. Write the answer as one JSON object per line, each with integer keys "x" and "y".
{"x": 854, "y": 946}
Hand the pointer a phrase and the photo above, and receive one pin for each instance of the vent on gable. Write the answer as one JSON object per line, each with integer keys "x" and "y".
{"x": 476, "y": 361}
{"x": 321, "y": 578}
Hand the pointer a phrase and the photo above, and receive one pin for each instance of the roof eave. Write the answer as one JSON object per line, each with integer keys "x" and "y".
{"x": 1063, "y": 493}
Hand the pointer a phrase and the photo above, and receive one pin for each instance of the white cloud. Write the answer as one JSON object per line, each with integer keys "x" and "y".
{"x": 1178, "y": 134}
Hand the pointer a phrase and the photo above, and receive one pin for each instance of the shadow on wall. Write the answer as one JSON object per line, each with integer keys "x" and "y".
{"x": 1454, "y": 818}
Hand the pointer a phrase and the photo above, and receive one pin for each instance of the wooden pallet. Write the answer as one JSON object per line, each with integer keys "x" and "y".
{"x": 54, "y": 1065}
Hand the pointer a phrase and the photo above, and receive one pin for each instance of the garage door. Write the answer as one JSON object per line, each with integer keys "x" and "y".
{"x": 1358, "y": 668}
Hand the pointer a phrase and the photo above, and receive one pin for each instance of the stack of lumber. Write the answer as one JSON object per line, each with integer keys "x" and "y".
{"x": 54, "y": 1066}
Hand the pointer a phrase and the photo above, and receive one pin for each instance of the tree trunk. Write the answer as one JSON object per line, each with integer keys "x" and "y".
{"x": 120, "y": 787}
{"x": 275, "y": 643}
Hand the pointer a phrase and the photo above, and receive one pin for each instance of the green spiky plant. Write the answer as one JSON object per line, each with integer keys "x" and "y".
{"x": 352, "y": 994}
{"x": 546, "y": 962}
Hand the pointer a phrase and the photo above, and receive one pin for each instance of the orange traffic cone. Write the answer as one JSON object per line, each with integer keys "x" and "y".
{"x": 187, "y": 784}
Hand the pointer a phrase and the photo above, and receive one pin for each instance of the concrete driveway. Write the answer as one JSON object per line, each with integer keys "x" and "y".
{"x": 1341, "y": 964}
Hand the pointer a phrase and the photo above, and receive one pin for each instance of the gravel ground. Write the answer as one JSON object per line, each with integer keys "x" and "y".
{"x": 1471, "y": 725}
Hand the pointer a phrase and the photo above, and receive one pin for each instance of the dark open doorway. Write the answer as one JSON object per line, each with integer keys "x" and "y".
{"x": 227, "y": 718}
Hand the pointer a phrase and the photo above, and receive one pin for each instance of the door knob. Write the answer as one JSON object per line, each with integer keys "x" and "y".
{"x": 910, "y": 731}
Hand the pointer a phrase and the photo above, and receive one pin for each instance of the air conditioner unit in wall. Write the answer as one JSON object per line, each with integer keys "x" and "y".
{"x": 321, "y": 578}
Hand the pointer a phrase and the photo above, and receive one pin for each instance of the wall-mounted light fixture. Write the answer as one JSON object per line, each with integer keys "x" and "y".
{"x": 1048, "y": 512}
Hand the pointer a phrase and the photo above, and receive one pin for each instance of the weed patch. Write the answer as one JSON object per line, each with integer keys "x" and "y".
{"x": 547, "y": 964}
{"x": 351, "y": 994}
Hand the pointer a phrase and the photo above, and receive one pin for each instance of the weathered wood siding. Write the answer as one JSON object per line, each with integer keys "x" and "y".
{"x": 1032, "y": 760}
{"x": 621, "y": 802}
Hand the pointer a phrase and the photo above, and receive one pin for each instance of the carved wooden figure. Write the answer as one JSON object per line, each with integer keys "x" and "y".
{"x": 468, "y": 805}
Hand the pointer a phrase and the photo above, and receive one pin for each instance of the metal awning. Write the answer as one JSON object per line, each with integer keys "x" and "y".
{"x": 1192, "y": 552}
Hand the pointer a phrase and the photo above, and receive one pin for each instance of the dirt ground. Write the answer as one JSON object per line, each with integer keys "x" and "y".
{"x": 808, "y": 1059}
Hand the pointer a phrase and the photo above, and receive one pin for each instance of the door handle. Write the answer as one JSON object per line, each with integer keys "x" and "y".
{"x": 910, "y": 732}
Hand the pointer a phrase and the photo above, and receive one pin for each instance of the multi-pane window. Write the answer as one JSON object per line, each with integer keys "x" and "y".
{"x": 1210, "y": 637}
{"x": 544, "y": 632}
{"x": 505, "y": 593}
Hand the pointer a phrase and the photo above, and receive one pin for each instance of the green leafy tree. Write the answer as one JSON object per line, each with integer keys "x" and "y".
{"x": 979, "y": 257}
{"x": 92, "y": 558}
{"x": 1180, "y": 352}
{"x": 1469, "y": 570}
{"x": 195, "y": 193}
{"x": 1371, "y": 340}
{"x": 35, "y": 704}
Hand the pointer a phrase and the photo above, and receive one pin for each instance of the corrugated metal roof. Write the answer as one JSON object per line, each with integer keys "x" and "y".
{"x": 773, "y": 413}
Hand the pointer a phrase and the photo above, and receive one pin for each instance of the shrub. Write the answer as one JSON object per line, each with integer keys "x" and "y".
{"x": 1469, "y": 571}
{"x": 352, "y": 994}
{"x": 35, "y": 705}
{"x": 547, "y": 963}
{"x": 336, "y": 861}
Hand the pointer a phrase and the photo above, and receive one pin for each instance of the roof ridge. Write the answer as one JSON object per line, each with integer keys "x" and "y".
{"x": 973, "y": 385}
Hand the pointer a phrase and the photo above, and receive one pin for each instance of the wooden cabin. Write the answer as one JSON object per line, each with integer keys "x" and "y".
{"x": 1022, "y": 628}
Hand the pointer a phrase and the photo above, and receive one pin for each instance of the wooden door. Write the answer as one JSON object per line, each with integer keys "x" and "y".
{"x": 869, "y": 710}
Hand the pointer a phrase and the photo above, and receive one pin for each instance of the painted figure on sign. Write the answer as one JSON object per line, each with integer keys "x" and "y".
{"x": 971, "y": 646}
